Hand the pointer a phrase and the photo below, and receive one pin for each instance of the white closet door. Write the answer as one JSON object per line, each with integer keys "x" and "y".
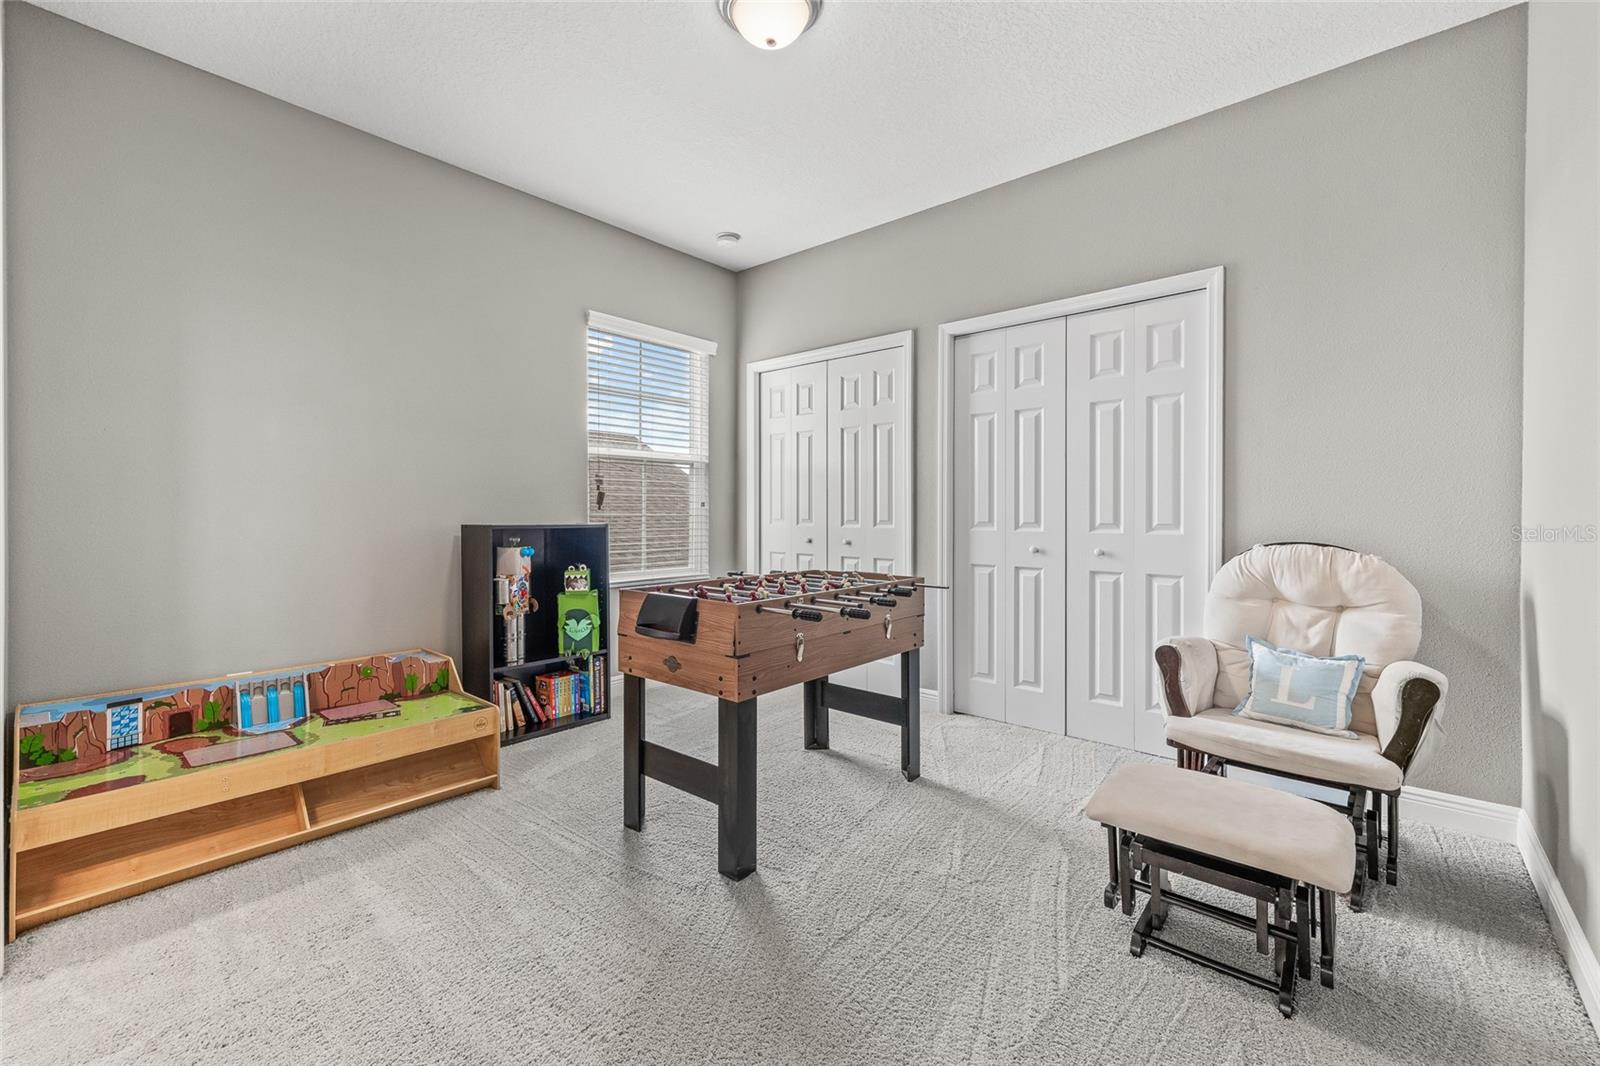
{"x": 868, "y": 415}
{"x": 794, "y": 469}
{"x": 1035, "y": 522}
{"x": 977, "y": 596}
{"x": 869, "y": 421}
{"x": 1010, "y": 522}
{"x": 1137, "y": 482}
{"x": 1172, "y": 350}
{"x": 1099, "y": 469}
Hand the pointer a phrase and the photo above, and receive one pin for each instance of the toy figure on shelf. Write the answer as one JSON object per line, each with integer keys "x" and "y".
{"x": 513, "y": 595}
{"x": 578, "y": 606}
{"x": 577, "y": 632}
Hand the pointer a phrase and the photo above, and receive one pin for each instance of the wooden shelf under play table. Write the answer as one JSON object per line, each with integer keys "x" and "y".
{"x": 107, "y": 840}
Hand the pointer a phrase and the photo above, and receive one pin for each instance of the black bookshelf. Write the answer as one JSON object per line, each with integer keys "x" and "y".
{"x": 483, "y": 653}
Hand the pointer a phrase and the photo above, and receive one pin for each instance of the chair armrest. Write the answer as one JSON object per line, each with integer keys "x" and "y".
{"x": 1407, "y": 700}
{"x": 1188, "y": 674}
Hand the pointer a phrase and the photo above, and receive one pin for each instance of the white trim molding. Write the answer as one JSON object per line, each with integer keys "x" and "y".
{"x": 750, "y": 433}
{"x": 641, "y": 331}
{"x": 1564, "y": 924}
{"x": 1445, "y": 810}
{"x": 1209, "y": 280}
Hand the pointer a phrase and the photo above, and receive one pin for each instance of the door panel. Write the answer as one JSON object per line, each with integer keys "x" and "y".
{"x": 980, "y": 607}
{"x": 1172, "y": 340}
{"x": 794, "y": 472}
{"x": 1099, "y": 469}
{"x": 868, "y": 420}
{"x": 869, "y": 417}
{"x": 1010, "y": 525}
{"x": 1136, "y": 465}
{"x": 1035, "y": 537}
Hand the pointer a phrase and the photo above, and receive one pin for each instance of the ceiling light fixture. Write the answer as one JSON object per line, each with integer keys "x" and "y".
{"x": 727, "y": 236}
{"x": 770, "y": 24}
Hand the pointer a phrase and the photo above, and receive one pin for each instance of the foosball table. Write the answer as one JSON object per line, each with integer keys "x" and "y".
{"x": 746, "y": 635}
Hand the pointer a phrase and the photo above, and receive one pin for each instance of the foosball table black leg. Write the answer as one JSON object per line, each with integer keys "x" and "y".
{"x": 633, "y": 752}
{"x": 736, "y": 805}
{"x": 911, "y": 731}
{"x": 816, "y": 715}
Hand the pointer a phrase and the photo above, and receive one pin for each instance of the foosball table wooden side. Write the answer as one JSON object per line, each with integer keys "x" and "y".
{"x": 738, "y": 653}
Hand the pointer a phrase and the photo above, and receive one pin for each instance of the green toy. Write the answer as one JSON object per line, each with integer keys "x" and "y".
{"x": 579, "y": 619}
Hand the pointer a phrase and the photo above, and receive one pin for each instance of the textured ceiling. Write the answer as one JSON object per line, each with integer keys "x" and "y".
{"x": 657, "y": 118}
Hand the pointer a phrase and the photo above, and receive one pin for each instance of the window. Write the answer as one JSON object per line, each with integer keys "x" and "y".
{"x": 649, "y": 403}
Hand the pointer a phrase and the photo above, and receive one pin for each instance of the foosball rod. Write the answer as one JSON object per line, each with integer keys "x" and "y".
{"x": 876, "y": 601}
{"x": 802, "y": 613}
{"x": 844, "y": 610}
{"x": 898, "y": 587}
{"x": 890, "y": 585}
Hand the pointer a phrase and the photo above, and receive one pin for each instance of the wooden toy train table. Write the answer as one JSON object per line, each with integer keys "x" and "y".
{"x": 741, "y": 637}
{"x": 119, "y": 793}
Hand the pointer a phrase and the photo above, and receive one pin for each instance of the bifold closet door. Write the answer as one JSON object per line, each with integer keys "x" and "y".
{"x": 868, "y": 422}
{"x": 1010, "y": 525}
{"x": 794, "y": 468}
{"x": 1138, "y": 490}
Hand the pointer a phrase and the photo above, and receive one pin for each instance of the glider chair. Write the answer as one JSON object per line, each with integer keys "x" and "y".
{"x": 1326, "y": 601}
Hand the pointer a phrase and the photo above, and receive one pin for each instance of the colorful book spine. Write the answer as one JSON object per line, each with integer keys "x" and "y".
{"x": 539, "y": 714}
{"x": 548, "y": 689}
{"x": 522, "y": 706}
{"x": 599, "y": 679}
{"x": 570, "y": 693}
{"x": 503, "y": 699}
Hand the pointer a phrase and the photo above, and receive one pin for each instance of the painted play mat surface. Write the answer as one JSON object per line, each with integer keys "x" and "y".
{"x": 84, "y": 747}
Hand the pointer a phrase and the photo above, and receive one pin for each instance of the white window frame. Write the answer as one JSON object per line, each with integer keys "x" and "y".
{"x": 598, "y": 321}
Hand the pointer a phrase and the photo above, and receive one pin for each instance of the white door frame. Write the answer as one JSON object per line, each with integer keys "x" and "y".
{"x": 1209, "y": 281}
{"x": 750, "y": 467}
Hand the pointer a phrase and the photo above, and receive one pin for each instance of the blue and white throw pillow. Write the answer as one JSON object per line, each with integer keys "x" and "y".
{"x": 1291, "y": 688}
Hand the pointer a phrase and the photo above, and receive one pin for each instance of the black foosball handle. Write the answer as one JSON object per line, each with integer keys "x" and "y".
{"x": 903, "y": 590}
{"x": 806, "y": 614}
{"x": 883, "y": 601}
{"x": 856, "y": 612}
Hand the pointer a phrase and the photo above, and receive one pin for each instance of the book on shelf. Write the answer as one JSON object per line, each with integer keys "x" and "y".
{"x": 566, "y": 693}
{"x": 524, "y": 703}
{"x": 599, "y": 683}
{"x": 499, "y": 693}
{"x": 541, "y": 714}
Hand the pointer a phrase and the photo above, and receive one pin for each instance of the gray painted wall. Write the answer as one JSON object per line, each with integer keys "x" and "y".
{"x": 1561, "y": 449}
{"x": 1370, "y": 220}
{"x": 263, "y": 366}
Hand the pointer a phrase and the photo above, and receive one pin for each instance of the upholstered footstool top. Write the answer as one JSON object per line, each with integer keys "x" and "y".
{"x": 1238, "y": 821}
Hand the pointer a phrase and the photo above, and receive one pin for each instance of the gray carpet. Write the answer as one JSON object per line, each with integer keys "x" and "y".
{"x": 957, "y": 919}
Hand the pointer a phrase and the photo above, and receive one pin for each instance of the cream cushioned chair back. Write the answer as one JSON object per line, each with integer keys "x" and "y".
{"x": 1315, "y": 599}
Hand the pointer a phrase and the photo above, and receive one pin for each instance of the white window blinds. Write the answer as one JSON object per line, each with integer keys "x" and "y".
{"x": 649, "y": 407}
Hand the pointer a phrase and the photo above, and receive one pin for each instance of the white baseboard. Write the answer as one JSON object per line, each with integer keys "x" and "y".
{"x": 1480, "y": 818}
{"x": 1564, "y": 925}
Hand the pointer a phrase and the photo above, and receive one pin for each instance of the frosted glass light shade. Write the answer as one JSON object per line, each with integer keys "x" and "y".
{"x": 771, "y": 24}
